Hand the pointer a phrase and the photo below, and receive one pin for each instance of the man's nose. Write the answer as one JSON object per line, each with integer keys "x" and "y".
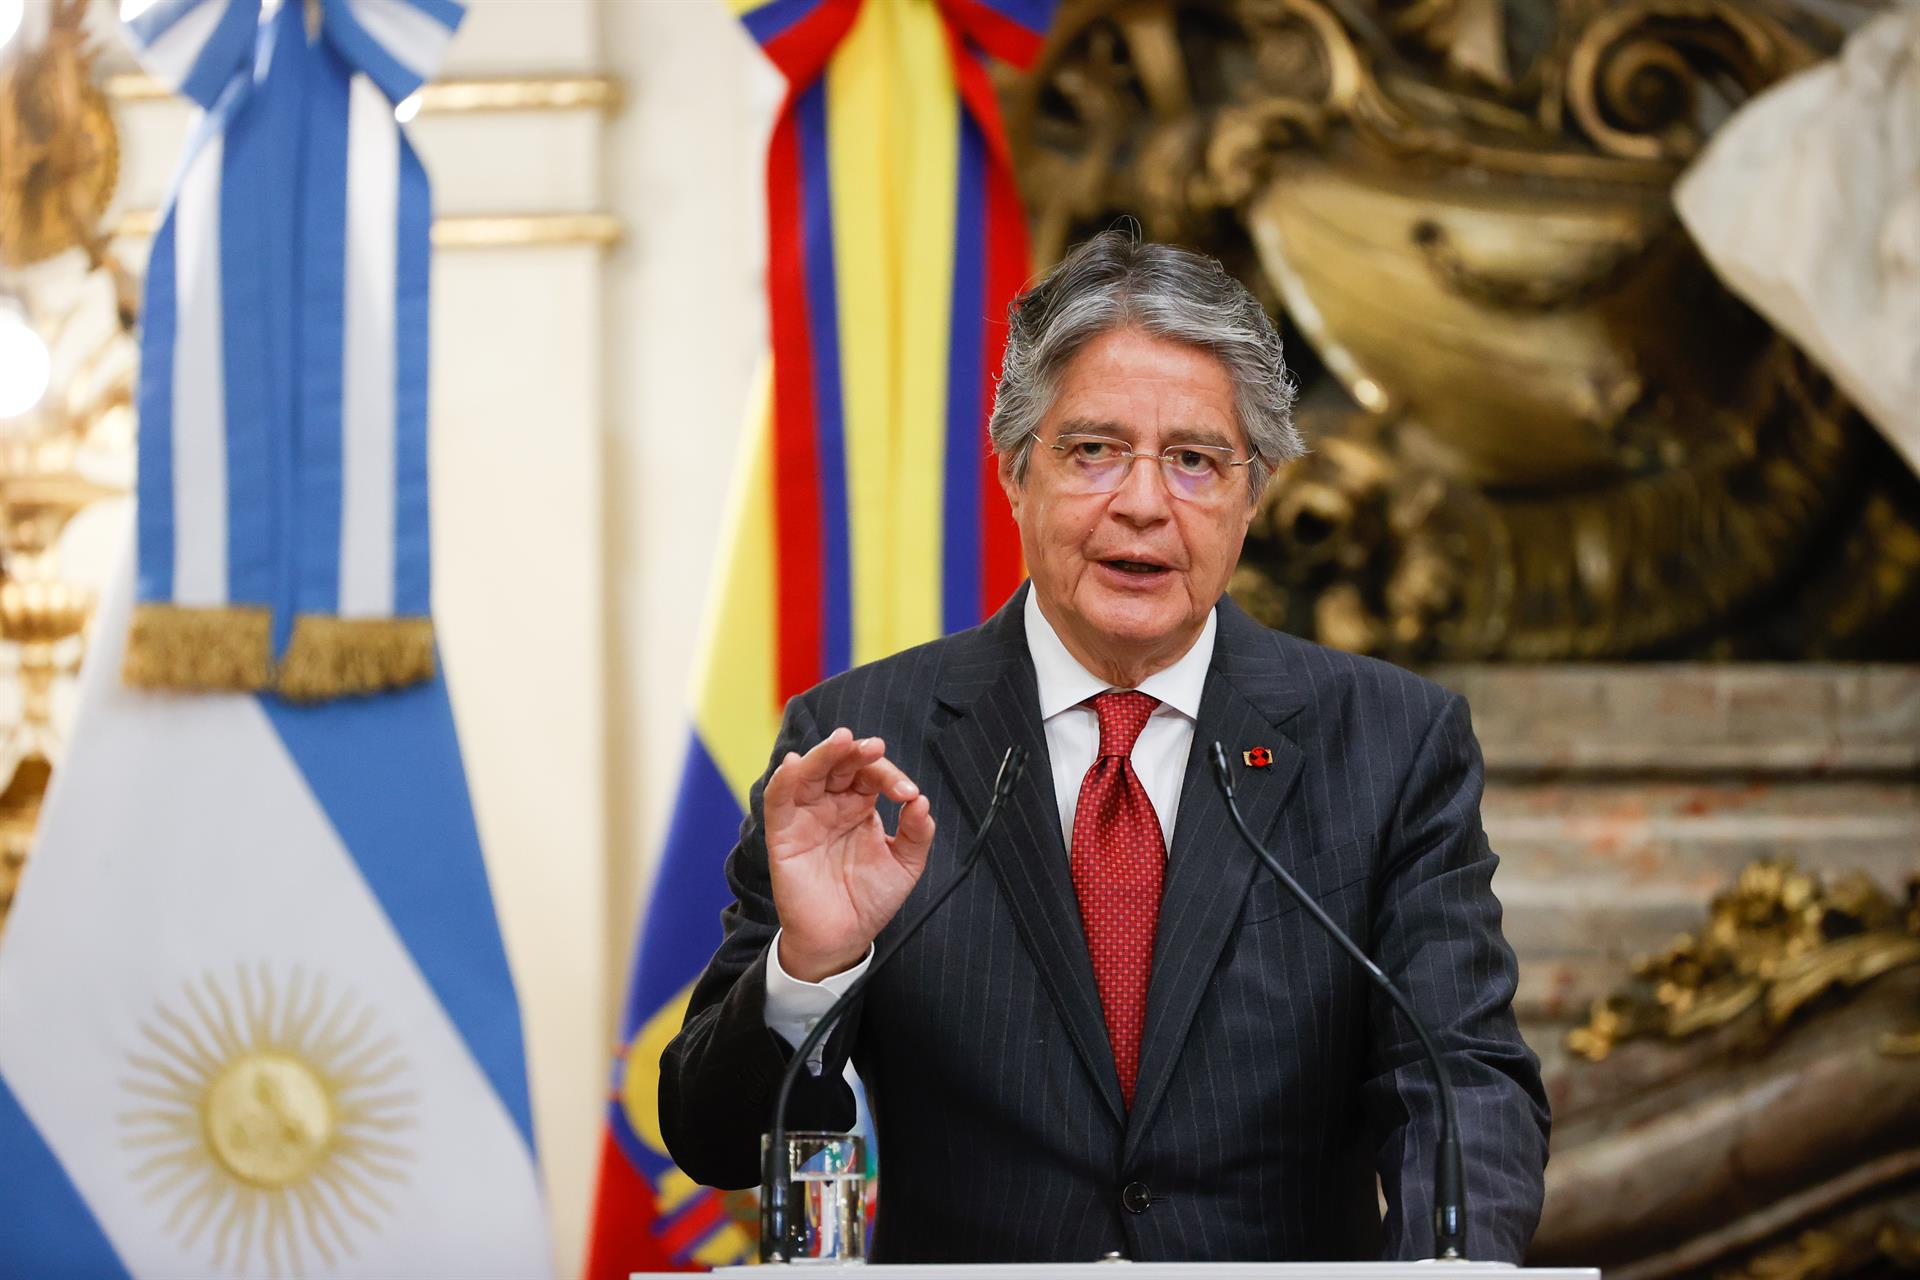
{"x": 1142, "y": 497}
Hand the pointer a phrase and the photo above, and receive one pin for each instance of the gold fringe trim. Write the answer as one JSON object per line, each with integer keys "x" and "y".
{"x": 334, "y": 657}
{"x": 174, "y": 647}
{"x": 231, "y": 649}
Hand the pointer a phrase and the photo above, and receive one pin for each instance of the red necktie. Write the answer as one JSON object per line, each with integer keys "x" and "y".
{"x": 1119, "y": 861}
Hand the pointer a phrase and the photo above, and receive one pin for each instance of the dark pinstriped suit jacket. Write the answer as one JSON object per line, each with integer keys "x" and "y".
{"x": 1273, "y": 1082}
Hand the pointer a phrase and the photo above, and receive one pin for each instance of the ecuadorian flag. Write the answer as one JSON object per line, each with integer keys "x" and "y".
{"x": 867, "y": 517}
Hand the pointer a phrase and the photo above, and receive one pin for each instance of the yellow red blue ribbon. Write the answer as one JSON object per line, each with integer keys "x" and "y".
{"x": 867, "y": 518}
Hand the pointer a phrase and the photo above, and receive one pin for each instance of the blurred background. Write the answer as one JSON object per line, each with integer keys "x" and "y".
{"x": 1573, "y": 454}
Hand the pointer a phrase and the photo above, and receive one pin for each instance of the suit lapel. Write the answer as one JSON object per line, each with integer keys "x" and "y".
{"x": 990, "y": 686}
{"x": 1248, "y": 695}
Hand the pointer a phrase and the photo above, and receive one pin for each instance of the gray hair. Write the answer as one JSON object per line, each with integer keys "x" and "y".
{"x": 1116, "y": 280}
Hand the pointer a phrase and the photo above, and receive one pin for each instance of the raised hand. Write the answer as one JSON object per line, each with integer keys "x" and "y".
{"x": 838, "y": 877}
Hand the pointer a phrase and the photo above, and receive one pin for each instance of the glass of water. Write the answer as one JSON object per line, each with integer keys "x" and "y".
{"x": 825, "y": 1196}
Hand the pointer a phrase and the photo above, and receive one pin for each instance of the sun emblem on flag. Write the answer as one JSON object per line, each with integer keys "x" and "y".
{"x": 267, "y": 1121}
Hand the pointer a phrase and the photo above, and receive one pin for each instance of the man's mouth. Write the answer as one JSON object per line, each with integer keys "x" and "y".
{"x": 1141, "y": 568}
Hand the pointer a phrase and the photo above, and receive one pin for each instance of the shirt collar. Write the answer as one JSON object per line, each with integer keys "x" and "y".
{"x": 1064, "y": 683}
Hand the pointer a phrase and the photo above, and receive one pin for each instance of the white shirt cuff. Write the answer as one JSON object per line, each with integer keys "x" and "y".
{"x": 794, "y": 1006}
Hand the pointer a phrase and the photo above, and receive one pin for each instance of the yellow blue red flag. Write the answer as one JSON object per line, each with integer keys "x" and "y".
{"x": 866, "y": 518}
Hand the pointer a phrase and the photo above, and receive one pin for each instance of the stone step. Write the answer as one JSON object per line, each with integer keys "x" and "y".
{"x": 1621, "y": 799}
{"x": 1593, "y": 875}
{"x": 1690, "y": 719}
{"x": 1701, "y": 833}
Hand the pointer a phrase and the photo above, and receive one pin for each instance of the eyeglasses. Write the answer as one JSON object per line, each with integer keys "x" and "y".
{"x": 1101, "y": 464}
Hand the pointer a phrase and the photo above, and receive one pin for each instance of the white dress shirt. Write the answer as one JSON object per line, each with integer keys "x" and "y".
{"x": 1073, "y": 729}
{"x": 1073, "y": 740}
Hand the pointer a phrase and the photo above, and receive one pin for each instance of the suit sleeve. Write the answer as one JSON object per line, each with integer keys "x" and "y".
{"x": 1437, "y": 936}
{"x": 719, "y": 1075}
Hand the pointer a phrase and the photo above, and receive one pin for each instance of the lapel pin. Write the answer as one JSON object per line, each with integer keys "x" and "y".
{"x": 1257, "y": 758}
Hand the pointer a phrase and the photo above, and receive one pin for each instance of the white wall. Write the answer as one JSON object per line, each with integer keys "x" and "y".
{"x": 686, "y": 332}
{"x": 519, "y": 404}
{"x": 586, "y": 405}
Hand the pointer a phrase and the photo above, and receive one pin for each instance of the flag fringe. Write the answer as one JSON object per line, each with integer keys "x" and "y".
{"x": 231, "y": 649}
{"x": 175, "y": 647}
{"x": 334, "y": 657}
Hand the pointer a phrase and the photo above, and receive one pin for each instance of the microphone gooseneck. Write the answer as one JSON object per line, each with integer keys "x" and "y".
{"x": 774, "y": 1173}
{"x": 1449, "y": 1183}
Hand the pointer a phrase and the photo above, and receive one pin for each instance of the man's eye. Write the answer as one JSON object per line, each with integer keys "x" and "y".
{"x": 1092, "y": 451}
{"x": 1192, "y": 462}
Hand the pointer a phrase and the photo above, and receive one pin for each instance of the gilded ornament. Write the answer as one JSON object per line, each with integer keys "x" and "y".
{"x": 601, "y": 93}
{"x": 59, "y": 152}
{"x": 1777, "y": 941}
{"x": 19, "y": 815}
{"x": 1899, "y": 1244}
{"x": 471, "y": 231}
{"x": 1577, "y": 444}
{"x": 59, "y": 157}
{"x": 1808, "y": 1256}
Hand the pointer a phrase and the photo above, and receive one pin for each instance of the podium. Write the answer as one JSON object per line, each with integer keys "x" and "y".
{"x": 1119, "y": 1270}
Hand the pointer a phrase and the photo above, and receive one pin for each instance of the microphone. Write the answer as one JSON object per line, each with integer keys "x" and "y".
{"x": 774, "y": 1173}
{"x": 1449, "y": 1183}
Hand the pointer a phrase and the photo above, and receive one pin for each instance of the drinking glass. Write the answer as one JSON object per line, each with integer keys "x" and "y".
{"x": 825, "y": 1196}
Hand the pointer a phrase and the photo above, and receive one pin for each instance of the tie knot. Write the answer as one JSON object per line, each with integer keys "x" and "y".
{"x": 1123, "y": 714}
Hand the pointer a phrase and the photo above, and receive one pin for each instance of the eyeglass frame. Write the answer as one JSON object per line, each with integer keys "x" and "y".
{"x": 1132, "y": 455}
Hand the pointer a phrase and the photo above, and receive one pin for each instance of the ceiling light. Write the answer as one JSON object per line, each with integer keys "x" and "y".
{"x": 25, "y": 366}
{"x": 11, "y": 12}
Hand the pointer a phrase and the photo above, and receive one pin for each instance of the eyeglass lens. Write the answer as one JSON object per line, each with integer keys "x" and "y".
{"x": 1101, "y": 466}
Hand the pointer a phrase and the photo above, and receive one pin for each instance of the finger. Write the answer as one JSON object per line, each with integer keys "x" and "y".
{"x": 865, "y": 752}
{"x": 816, "y": 764}
{"x": 785, "y": 778}
{"x": 915, "y": 835}
{"x": 884, "y": 777}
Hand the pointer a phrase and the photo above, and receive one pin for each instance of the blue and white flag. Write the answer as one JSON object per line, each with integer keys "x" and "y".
{"x": 255, "y": 1016}
{"x": 283, "y": 539}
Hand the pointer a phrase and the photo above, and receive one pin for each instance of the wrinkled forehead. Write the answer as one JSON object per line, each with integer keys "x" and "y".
{"x": 1147, "y": 392}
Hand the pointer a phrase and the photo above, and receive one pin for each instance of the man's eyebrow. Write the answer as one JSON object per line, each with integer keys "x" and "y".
{"x": 1178, "y": 436}
{"x": 1090, "y": 427}
{"x": 1198, "y": 435}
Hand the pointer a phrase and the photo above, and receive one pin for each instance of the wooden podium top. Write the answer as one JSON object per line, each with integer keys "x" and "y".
{"x": 1117, "y": 1270}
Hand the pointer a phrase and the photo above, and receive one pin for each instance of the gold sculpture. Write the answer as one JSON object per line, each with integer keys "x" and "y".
{"x": 59, "y": 159}
{"x": 59, "y": 152}
{"x": 1748, "y": 1106}
{"x": 1778, "y": 940}
{"x": 1544, "y": 431}
{"x": 42, "y": 617}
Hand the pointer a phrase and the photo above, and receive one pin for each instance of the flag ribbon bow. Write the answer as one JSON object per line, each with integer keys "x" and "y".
{"x": 895, "y": 243}
{"x": 282, "y": 515}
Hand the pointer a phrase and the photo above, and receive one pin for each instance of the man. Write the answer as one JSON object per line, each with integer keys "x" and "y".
{"x": 1119, "y": 1035}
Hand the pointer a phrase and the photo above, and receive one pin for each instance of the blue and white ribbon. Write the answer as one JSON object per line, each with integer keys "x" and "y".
{"x": 283, "y": 396}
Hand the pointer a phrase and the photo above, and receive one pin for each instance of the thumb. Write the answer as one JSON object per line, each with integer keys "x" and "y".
{"x": 915, "y": 835}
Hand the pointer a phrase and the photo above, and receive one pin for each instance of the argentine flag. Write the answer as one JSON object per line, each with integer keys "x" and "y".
{"x": 255, "y": 1017}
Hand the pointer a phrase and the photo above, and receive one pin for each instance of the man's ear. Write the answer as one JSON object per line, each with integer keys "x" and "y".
{"x": 1009, "y": 486}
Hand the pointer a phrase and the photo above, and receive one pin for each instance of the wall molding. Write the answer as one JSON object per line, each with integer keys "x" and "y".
{"x": 605, "y": 94}
{"x": 467, "y": 231}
